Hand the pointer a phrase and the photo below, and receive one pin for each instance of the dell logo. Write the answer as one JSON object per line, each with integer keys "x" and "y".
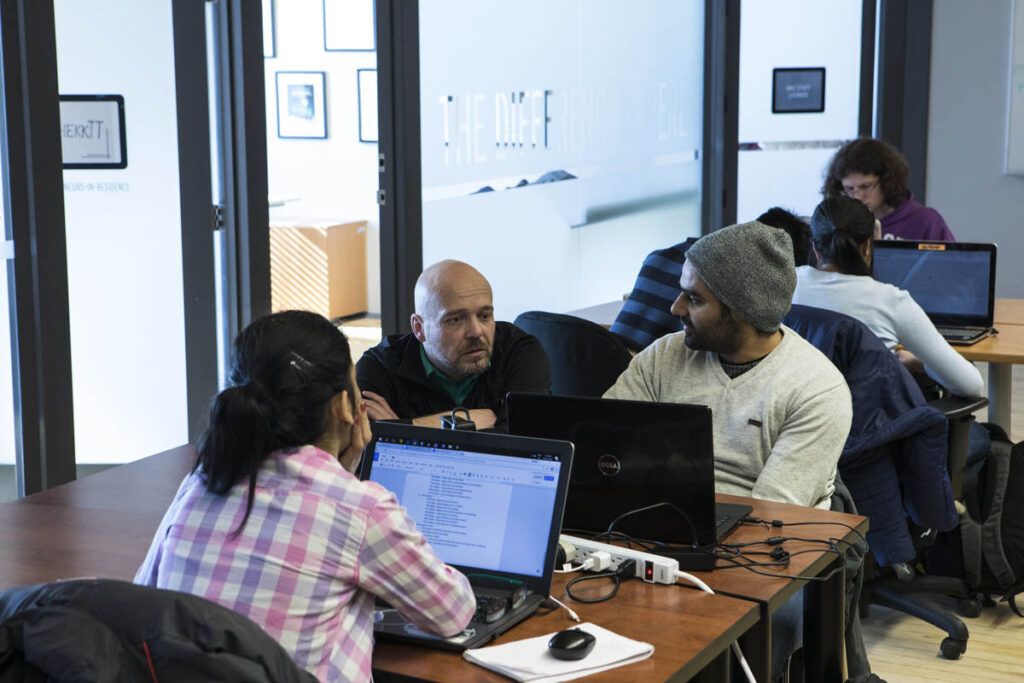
{"x": 608, "y": 465}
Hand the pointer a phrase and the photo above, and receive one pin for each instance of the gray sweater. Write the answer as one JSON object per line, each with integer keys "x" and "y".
{"x": 778, "y": 428}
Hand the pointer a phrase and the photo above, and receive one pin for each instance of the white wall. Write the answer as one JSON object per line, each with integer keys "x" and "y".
{"x": 967, "y": 132}
{"x": 794, "y": 33}
{"x": 334, "y": 179}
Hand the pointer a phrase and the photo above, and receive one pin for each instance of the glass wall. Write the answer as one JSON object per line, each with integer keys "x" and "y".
{"x": 783, "y": 154}
{"x": 321, "y": 97}
{"x": 561, "y": 142}
{"x": 123, "y": 227}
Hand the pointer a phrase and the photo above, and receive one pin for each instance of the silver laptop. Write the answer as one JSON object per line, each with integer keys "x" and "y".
{"x": 490, "y": 505}
{"x": 954, "y": 282}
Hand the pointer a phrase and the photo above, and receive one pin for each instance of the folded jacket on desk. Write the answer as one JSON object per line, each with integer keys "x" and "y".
{"x": 529, "y": 659}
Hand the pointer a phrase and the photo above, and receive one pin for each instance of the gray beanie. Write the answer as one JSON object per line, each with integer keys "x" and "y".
{"x": 749, "y": 267}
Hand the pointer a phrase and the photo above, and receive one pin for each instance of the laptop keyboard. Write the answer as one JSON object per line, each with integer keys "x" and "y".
{"x": 959, "y": 333}
{"x": 489, "y": 609}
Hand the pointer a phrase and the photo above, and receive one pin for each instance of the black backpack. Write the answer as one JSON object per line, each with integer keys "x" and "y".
{"x": 992, "y": 530}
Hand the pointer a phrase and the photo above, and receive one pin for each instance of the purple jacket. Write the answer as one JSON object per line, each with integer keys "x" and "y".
{"x": 914, "y": 221}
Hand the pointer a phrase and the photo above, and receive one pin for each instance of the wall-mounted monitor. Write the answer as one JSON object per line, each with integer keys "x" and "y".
{"x": 798, "y": 91}
{"x": 92, "y": 131}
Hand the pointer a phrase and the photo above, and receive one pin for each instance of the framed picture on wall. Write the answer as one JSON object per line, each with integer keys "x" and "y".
{"x": 366, "y": 93}
{"x": 350, "y": 25}
{"x": 301, "y": 104}
{"x": 268, "y": 29}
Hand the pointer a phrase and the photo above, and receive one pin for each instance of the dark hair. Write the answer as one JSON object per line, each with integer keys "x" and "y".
{"x": 798, "y": 231}
{"x": 870, "y": 157}
{"x": 285, "y": 369}
{"x": 839, "y": 226}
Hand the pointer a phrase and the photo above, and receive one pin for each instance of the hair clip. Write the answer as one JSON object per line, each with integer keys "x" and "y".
{"x": 300, "y": 364}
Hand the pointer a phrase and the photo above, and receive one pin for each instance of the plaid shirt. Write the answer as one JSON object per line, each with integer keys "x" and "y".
{"x": 317, "y": 547}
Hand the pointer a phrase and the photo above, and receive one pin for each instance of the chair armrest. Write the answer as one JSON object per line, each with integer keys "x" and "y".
{"x": 957, "y": 407}
{"x": 959, "y": 414}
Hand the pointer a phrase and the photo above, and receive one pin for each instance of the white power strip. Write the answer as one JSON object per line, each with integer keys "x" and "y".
{"x": 649, "y": 567}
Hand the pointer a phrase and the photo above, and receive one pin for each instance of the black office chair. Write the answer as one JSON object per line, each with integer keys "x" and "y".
{"x": 586, "y": 359}
{"x": 895, "y": 484}
{"x": 102, "y": 629}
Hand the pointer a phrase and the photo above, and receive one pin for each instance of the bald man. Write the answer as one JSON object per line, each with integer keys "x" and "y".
{"x": 456, "y": 355}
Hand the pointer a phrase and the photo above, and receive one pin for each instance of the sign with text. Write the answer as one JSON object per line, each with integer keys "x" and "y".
{"x": 798, "y": 91}
{"x": 92, "y": 131}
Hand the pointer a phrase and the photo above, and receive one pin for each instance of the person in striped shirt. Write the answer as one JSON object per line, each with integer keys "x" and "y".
{"x": 273, "y": 523}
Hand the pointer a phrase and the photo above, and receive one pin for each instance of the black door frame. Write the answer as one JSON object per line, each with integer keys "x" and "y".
{"x": 34, "y": 209}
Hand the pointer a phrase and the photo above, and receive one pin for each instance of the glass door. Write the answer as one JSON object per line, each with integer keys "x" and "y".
{"x": 135, "y": 135}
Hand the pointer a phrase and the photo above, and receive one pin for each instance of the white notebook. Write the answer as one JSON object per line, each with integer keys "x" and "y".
{"x": 529, "y": 659}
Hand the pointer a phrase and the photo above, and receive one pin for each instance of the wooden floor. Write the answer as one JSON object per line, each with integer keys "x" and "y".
{"x": 902, "y": 649}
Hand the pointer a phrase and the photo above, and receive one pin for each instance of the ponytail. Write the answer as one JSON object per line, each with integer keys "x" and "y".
{"x": 285, "y": 369}
{"x": 839, "y": 227}
{"x": 240, "y": 425}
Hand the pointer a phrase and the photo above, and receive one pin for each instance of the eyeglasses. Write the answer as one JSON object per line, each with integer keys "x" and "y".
{"x": 854, "y": 190}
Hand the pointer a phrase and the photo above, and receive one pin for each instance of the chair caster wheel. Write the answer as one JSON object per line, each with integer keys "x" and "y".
{"x": 952, "y": 649}
{"x": 969, "y": 607}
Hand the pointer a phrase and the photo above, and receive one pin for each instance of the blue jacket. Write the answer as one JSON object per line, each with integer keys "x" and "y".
{"x": 894, "y": 460}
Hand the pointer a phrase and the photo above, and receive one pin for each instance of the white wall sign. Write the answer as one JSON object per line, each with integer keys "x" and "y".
{"x": 92, "y": 131}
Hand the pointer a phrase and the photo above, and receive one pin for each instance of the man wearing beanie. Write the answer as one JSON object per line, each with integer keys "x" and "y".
{"x": 781, "y": 411}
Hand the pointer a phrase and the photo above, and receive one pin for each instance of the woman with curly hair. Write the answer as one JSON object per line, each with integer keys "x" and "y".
{"x": 875, "y": 173}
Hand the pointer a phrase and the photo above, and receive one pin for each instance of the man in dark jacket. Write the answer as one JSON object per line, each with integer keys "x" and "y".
{"x": 456, "y": 355}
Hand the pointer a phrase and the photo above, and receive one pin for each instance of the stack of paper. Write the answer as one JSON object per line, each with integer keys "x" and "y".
{"x": 529, "y": 660}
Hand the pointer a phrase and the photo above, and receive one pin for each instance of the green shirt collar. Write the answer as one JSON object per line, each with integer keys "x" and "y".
{"x": 458, "y": 391}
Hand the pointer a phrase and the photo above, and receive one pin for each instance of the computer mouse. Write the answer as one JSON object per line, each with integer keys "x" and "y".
{"x": 571, "y": 644}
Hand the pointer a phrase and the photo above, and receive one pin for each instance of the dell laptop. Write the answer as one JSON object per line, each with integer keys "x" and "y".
{"x": 632, "y": 455}
{"x": 954, "y": 282}
{"x": 490, "y": 505}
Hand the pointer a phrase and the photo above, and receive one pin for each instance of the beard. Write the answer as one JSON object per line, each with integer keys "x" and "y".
{"x": 722, "y": 337}
{"x": 457, "y": 366}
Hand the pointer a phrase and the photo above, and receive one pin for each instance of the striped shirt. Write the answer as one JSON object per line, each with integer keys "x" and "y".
{"x": 317, "y": 547}
{"x": 646, "y": 315}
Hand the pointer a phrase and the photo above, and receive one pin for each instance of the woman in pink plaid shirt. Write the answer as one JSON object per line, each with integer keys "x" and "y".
{"x": 273, "y": 524}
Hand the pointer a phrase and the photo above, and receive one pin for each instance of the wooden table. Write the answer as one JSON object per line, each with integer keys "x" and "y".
{"x": 43, "y": 543}
{"x": 824, "y": 618}
{"x": 824, "y": 613}
{"x": 97, "y": 526}
{"x": 1009, "y": 312}
{"x": 1001, "y": 351}
{"x": 691, "y": 632}
{"x": 102, "y": 526}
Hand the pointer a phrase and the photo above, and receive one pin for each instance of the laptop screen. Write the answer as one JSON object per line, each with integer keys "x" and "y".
{"x": 484, "y": 502}
{"x": 953, "y": 282}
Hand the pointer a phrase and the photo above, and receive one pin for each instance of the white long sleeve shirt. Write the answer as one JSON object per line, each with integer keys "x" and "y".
{"x": 895, "y": 318}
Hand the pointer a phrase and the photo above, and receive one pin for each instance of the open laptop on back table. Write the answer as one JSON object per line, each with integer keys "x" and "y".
{"x": 631, "y": 455}
{"x": 489, "y": 504}
{"x": 954, "y": 282}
